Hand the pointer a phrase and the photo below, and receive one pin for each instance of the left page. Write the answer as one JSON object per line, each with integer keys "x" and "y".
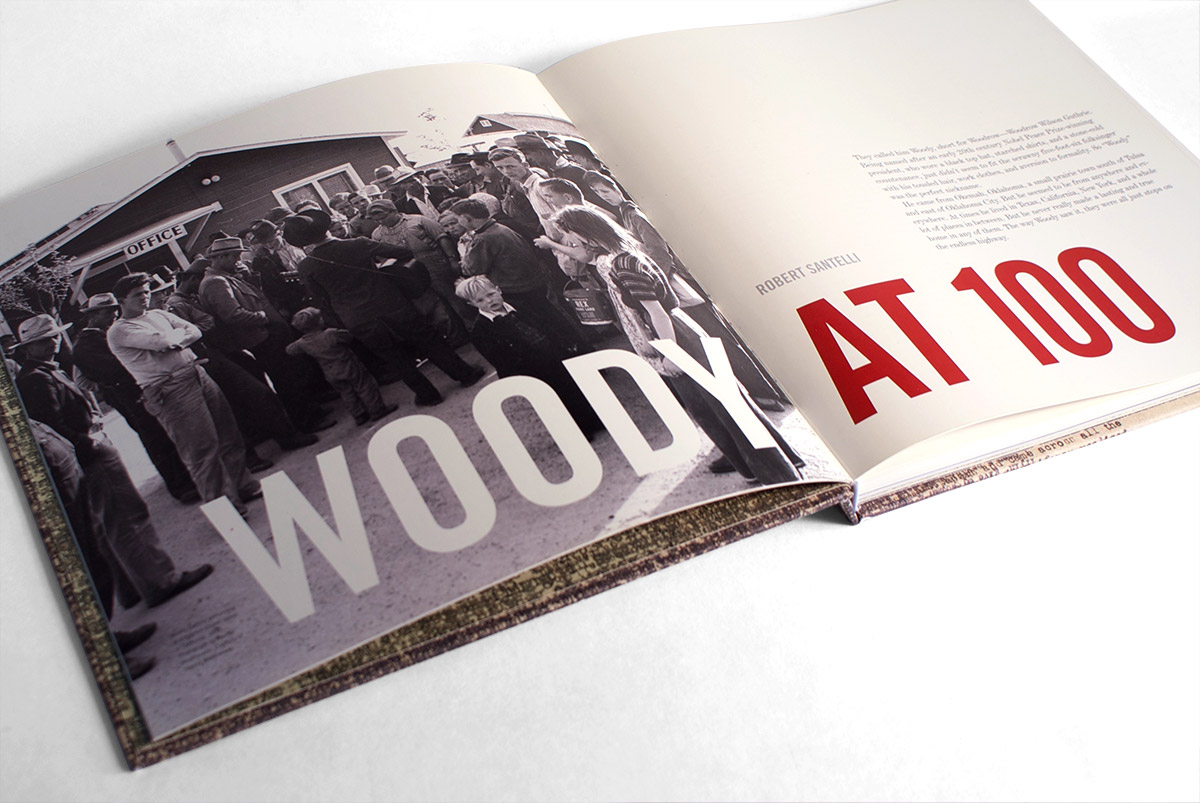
{"x": 289, "y": 396}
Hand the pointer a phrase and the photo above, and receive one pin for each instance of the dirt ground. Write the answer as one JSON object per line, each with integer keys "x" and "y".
{"x": 225, "y": 639}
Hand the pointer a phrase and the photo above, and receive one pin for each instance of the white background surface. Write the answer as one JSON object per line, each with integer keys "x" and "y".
{"x": 1036, "y": 636}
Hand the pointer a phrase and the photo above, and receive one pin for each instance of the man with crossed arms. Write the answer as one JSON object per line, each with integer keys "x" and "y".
{"x": 153, "y": 347}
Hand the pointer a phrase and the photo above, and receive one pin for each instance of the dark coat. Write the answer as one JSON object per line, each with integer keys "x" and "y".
{"x": 51, "y": 397}
{"x": 342, "y": 276}
{"x": 506, "y": 258}
{"x": 96, "y": 361}
{"x": 515, "y": 346}
{"x": 241, "y": 311}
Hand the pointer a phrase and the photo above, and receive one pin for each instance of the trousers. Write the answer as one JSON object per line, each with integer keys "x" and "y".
{"x": 193, "y": 411}
{"x": 127, "y": 535}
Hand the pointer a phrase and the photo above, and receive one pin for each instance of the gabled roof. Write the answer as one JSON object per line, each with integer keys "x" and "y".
{"x": 96, "y": 214}
{"x": 505, "y": 121}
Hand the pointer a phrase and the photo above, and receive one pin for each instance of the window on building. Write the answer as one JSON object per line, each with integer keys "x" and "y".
{"x": 319, "y": 187}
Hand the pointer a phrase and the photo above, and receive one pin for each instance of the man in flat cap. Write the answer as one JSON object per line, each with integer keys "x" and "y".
{"x": 429, "y": 243}
{"x": 115, "y": 506}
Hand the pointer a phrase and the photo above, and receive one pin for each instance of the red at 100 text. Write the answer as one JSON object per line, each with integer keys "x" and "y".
{"x": 822, "y": 320}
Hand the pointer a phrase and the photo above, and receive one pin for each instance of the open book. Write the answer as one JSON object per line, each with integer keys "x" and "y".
{"x": 920, "y": 295}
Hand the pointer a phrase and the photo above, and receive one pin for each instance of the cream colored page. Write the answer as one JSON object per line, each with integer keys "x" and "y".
{"x": 753, "y": 150}
{"x": 421, "y": 104}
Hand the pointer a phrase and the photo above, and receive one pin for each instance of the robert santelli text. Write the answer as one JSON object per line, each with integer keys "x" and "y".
{"x": 808, "y": 269}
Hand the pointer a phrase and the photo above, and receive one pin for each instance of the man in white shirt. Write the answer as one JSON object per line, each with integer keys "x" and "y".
{"x": 153, "y": 347}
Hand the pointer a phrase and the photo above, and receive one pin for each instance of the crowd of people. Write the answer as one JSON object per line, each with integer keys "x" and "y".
{"x": 530, "y": 251}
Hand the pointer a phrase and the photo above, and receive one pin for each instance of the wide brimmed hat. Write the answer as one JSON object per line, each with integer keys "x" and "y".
{"x": 198, "y": 266}
{"x": 306, "y": 228}
{"x": 39, "y": 327}
{"x": 532, "y": 142}
{"x": 261, "y": 231}
{"x": 386, "y": 176}
{"x": 158, "y": 284}
{"x": 223, "y": 245}
{"x": 305, "y": 318}
{"x": 100, "y": 301}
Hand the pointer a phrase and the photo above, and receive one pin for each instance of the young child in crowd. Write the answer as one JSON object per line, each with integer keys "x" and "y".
{"x": 515, "y": 344}
{"x": 331, "y": 349}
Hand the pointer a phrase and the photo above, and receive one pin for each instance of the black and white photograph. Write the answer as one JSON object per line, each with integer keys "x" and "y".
{"x": 341, "y": 338}
{"x": 296, "y": 395}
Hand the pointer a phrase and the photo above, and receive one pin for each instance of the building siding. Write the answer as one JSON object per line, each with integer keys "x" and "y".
{"x": 244, "y": 191}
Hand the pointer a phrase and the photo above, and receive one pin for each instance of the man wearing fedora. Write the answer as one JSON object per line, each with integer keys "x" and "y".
{"x": 153, "y": 347}
{"x": 116, "y": 508}
{"x": 259, "y": 412}
{"x": 246, "y": 321}
{"x": 462, "y": 175}
{"x": 274, "y": 263}
{"x": 95, "y": 361}
{"x": 408, "y": 192}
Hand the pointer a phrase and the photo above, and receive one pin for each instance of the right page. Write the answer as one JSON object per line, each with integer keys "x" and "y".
{"x": 922, "y": 215}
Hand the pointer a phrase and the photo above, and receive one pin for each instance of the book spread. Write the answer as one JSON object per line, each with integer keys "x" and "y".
{"x": 304, "y": 397}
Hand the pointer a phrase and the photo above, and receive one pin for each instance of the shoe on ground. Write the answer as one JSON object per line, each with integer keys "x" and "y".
{"x": 189, "y": 497}
{"x": 428, "y": 401}
{"x": 256, "y": 463}
{"x": 477, "y": 374}
{"x": 362, "y": 419}
{"x": 138, "y": 666}
{"x": 385, "y": 412}
{"x": 251, "y": 494}
{"x": 323, "y": 424}
{"x": 128, "y": 599}
{"x": 128, "y": 639}
{"x": 185, "y": 581}
{"x": 297, "y": 441}
{"x": 721, "y": 466}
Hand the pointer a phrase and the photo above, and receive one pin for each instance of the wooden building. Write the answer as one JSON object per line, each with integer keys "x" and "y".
{"x": 163, "y": 226}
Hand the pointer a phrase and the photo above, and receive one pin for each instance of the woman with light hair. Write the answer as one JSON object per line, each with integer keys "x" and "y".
{"x": 647, "y": 309}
